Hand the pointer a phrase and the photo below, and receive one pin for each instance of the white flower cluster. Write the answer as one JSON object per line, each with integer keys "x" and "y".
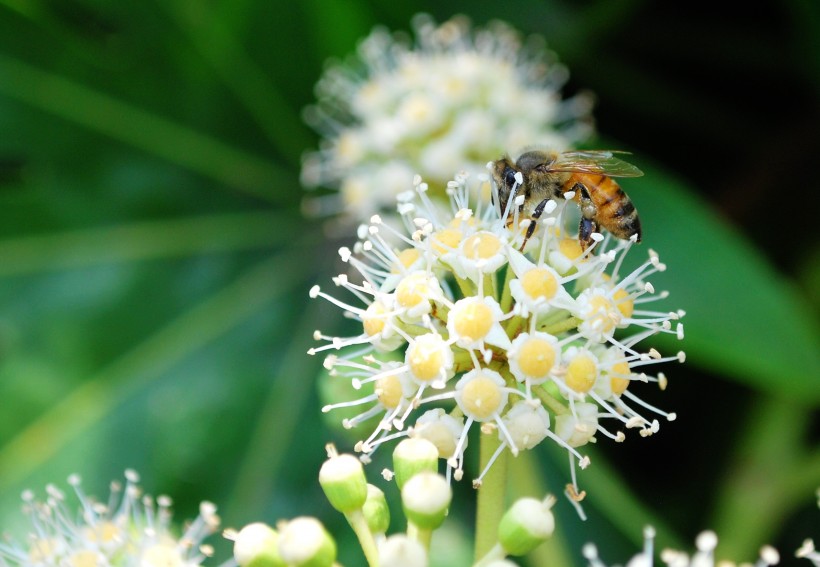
{"x": 131, "y": 529}
{"x": 706, "y": 542}
{"x": 458, "y": 320}
{"x": 451, "y": 101}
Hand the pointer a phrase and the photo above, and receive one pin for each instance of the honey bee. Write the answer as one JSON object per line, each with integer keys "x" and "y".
{"x": 583, "y": 176}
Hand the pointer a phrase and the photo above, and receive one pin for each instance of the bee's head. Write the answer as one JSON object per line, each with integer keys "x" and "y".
{"x": 503, "y": 173}
{"x": 535, "y": 160}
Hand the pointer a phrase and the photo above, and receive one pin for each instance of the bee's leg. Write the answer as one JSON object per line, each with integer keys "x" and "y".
{"x": 536, "y": 214}
{"x": 589, "y": 212}
{"x": 585, "y": 230}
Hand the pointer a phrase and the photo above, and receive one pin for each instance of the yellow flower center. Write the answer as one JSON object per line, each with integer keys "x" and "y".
{"x": 581, "y": 374}
{"x": 407, "y": 258}
{"x": 370, "y": 93}
{"x": 472, "y": 320}
{"x": 604, "y": 313}
{"x": 84, "y": 558}
{"x": 446, "y": 240}
{"x": 161, "y": 555}
{"x": 42, "y": 550}
{"x": 625, "y": 305}
{"x": 536, "y": 357}
{"x": 416, "y": 109}
{"x": 373, "y": 320}
{"x": 618, "y": 384}
{"x": 412, "y": 290}
{"x": 539, "y": 282}
{"x": 355, "y": 192}
{"x": 102, "y": 532}
{"x": 440, "y": 436}
{"x": 389, "y": 391}
{"x": 570, "y": 247}
{"x": 481, "y": 397}
{"x": 426, "y": 358}
{"x": 481, "y": 246}
{"x": 348, "y": 148}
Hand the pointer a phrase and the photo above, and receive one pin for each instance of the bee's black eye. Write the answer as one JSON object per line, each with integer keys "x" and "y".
{"x": 509, "y": 176}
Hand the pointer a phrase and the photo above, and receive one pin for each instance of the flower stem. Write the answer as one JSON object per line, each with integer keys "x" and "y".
{"x": 550, "y": 402}
{"x": 490, "y": 506}
{"x": 562, "y": 326}
{"x": 358, "y": 522}
{"x": 423, "y": 536}
{"x": 466, "y": 286}
{"x": 495, "y": 554}
{"x": 506, "y": 294}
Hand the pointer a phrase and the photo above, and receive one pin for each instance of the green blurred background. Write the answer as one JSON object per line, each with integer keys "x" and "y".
{"x": 154, "y": 265}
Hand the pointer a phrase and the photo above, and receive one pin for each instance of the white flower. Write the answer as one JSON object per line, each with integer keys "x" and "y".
{"x": 476, "y": 320}
{"x": 533, "y": 357}
{"x": 554, "y": 357}
{"x": 128, "y": 529}
{"x": 451, "y": 100}
{"x": 442, "y": 430}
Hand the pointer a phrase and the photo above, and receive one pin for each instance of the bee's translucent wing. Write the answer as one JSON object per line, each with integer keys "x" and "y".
{"x": 601, "y": 162}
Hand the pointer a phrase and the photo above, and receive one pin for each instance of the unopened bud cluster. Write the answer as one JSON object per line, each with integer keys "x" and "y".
{"x": 425, "y": 500}
{"x": 533, "y": 339}
{"x": 300, "y": 542}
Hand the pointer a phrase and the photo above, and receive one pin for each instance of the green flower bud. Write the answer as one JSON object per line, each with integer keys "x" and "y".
{"x": 401, "y": 551}
{"x": 376, "y": 511}
{"x": 256, "y": 545}
{"x": 342, "y": 478}
{"x": 526, "y": 525}
{"x": 411, "y": 456}
{"x": 304, "y": 542}
{"x": 425, "y": 499}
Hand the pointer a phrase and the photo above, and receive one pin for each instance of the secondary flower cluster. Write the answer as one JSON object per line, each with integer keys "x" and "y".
{"x": 131, "y": 529}
{"x": 460, "y": 326}
{"x": 445, "y": 103}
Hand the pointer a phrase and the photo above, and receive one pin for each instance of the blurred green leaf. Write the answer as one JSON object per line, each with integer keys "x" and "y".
{"x": 742, "y": 317}
{"x": 149, "y": 132}
{"x": 146, "y": 361}
{"x": 253, "y": 88}
{"x": 148, "y": 239}
{"x": 339, "y": 25}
